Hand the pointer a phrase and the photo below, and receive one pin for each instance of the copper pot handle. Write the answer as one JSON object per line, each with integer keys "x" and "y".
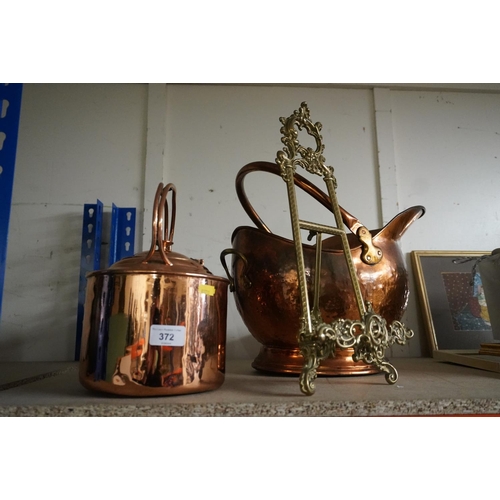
{"x": 263, "y": 166}
{"x": 228, "y": 251}
{"x": 161, "y": 224}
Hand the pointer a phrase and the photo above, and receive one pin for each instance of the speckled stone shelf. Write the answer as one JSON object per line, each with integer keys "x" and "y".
{"x": 425, "y": 387}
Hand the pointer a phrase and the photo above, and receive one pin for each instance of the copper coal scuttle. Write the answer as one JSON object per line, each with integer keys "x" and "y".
{"x": 155, "y": 323}
{"x": 361, "y": 276}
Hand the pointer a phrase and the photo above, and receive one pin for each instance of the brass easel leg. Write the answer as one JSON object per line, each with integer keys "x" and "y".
{"x": 309, "y": 370}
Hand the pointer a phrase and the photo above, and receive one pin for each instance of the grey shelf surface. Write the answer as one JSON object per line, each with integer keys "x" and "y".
{"x": 425, "y": 387}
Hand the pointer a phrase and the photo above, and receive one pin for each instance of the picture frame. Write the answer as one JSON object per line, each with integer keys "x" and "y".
{"x": 451, "y": 299}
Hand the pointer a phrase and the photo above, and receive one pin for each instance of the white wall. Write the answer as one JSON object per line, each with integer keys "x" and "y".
{"x": 213, "y": 131}
{"x": 447, "y": 151}
{"x": 447, "y": 148}
{"x": 76, "y": 143}
{"x": 82, "y": 142}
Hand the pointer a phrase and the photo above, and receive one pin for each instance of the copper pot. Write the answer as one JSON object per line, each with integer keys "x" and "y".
{"x": 264, "y": 280}
{"x": 155, "y": 323}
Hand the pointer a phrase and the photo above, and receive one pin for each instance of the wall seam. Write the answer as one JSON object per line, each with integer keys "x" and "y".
{"x": 389, "y": 196}
{"x": 155, "y": 154}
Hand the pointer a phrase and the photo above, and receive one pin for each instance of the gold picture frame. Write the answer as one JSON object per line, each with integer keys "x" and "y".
{"x": 452, "y": 319}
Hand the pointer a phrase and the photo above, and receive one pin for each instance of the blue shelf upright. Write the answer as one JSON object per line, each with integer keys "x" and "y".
{"x": 122, "y": 234}
{"x": 10, "y": 111}
{"x": 121, "y": 239}
{"x": 90, "y": 259}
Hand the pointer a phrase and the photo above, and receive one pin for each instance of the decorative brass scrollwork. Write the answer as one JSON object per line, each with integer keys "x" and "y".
{"x": 370, "y": 336}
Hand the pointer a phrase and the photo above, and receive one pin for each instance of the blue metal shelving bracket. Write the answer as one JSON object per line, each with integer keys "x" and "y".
{"x": 90, "y": 259}
{"x": 10, "y": 111}
{"x": 122, "y": 233}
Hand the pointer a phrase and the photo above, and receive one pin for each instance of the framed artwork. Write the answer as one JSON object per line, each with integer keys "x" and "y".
{"x": 452, "y": 299}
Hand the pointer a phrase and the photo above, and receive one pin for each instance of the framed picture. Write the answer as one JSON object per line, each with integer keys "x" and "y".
{"x": 452, "y": 299}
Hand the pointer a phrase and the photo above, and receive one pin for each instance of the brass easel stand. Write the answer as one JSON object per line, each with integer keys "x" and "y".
{"x": 369, "y": 336}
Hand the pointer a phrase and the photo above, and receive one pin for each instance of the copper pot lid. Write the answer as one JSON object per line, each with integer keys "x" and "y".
{"x": 160, "y": 259}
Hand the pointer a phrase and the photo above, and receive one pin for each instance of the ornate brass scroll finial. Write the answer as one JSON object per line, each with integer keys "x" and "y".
{"x": 293, "y": 154}
{"x": 369, "y": 336}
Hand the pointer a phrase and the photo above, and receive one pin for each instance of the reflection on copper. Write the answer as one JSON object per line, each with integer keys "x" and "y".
{"x": 116, "y": 354}
{"x": 270, "y": 307}
{"x": 159, "y": 287}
